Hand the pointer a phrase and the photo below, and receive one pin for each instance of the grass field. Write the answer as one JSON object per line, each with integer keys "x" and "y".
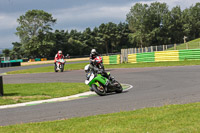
{"x": 19, "y": 93}
{"x": 79, "y": 66}
{"x": 194, "y": 44}
{"x": 166, "y": 119}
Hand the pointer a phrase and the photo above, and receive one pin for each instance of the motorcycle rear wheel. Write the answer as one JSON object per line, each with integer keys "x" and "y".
{"x": 119, "y": 87}
{"x": 62, "y": 67}
{"x": 98, "y": 90}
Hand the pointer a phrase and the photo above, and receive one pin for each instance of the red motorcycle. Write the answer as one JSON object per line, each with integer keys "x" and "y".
{"x": 59, "y": 65}
{"x": 99, "y": 62}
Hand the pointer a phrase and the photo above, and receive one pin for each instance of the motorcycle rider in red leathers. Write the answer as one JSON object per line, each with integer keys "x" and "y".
{"x": 58, "y": 56}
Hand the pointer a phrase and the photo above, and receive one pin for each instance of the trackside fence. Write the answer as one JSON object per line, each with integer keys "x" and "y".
{"x": 159, "y": 56}
{"x": 112, "y": 59}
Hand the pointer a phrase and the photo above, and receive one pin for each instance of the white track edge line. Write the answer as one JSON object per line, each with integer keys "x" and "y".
{"x": 54, "y": 99}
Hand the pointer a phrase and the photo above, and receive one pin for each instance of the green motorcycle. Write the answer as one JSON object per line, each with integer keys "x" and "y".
{"x": 101, "y": 85}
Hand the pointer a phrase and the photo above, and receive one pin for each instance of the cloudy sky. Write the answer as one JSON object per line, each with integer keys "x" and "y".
{"x": 70, "y": 14}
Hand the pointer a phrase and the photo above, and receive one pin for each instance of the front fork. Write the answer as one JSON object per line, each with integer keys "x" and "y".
{"x": 100, "y": 87}
{"x": 58, "y": 65}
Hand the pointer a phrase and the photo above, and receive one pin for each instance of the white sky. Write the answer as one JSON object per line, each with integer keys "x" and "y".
{"x": 70, "y": 14}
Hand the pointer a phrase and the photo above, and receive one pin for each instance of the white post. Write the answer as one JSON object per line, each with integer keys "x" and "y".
{"x": 187, "y": 46}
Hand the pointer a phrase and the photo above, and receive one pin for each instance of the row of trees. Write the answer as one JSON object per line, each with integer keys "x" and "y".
{"x": 146, "y": 25}
{"x": 155, "y": 24}
{"x": 107, "y": 38}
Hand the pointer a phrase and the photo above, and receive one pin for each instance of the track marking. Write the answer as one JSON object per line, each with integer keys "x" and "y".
{"x": 68, "y": 98}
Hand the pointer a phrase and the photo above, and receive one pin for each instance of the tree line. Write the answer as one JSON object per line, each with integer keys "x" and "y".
{"x": 145, "y": 25}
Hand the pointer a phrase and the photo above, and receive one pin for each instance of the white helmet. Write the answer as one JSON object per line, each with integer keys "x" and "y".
{"x": 87, "y": 68}
{"x": 93, "y": 51}
{"x": 60, "y": 52}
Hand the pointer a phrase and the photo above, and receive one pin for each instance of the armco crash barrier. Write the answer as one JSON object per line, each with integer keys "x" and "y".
{"x": 145, "y": 57}
{"x": 167, "y": 56}
{"x": 173, "y": 55}
{"x": 191, "y": 54}
{"x": 112, "y": 59}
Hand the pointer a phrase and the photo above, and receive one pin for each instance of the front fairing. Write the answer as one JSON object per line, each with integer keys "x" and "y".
{"x": 61, "y": 61}
{"x": 93, "y": 79}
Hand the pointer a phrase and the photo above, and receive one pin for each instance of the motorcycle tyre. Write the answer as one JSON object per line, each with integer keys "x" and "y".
{"x": 62, "y": 68}
{"x": 55, "y": 68}
{"x": 94, "y": 87}
{"x": 119, "y": 90}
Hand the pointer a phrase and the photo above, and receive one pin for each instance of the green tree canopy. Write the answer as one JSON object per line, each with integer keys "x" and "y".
{"x": 6, "y": 52}
{"x": 33, "y": 28}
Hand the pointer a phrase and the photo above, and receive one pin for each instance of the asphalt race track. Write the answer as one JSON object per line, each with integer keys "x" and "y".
{"x": 152, "y": 87}
{"x": 7, "y": 69}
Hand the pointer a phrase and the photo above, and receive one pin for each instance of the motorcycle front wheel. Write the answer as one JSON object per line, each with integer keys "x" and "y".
{"x": 99, "y": 90}
{"x": 55, "y": 68}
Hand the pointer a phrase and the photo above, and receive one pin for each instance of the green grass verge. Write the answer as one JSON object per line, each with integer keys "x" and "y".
{"x": 194, "y": 44}
{"x": 80, "y": 66}
{"x": 19, "y": 93}
{"x": 170, "y": 118}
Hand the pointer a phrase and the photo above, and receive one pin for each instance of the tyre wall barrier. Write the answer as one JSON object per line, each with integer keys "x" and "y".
{"x": 19, "y": 60}
{"x": 43, "y": 59}
{"x": 10, "y": 64}
{"x": 37, "y": 59}
{"x": 159, "y": 56}
{"x": 113, "y": 59}
{"x": 31, "y": 60}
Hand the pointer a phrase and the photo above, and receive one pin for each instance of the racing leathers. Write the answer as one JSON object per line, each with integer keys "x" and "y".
{"x": 58, "y": 57}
